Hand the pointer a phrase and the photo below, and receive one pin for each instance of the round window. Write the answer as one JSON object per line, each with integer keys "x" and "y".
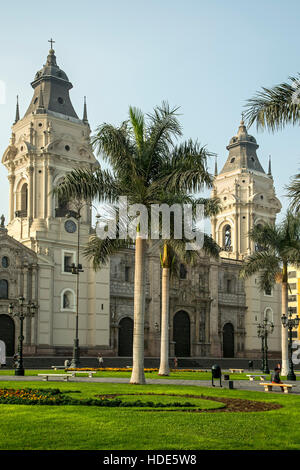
{"x": 60, "y": 100}
{"x": 5, "y": 262}
{"x": 67, "y": 147}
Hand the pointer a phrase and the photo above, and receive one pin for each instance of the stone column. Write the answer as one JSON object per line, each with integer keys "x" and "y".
{"x": 11, "y": 179}
{"x": 50, "y": 172}
{"x": 31, "y": 185}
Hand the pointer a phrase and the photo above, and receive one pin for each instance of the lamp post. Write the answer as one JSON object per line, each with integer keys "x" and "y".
{"x": 264, "y": 329}
{"x": 77, "y": 269}
{"x": 290, "y": 323}
{"x": 25, "y": 310}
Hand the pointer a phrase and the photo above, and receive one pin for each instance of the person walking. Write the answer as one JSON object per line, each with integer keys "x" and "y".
{"x": 100, "y": 360}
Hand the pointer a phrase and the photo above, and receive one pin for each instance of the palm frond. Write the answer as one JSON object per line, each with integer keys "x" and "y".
{"x": 88, "y": 185}
{"x": 99, "y": 250}
{"x": 273, "y": 108}
{"x": 294, "y": 193}
{"x": 264, "y": 263}
{"x": 186, "y": 168}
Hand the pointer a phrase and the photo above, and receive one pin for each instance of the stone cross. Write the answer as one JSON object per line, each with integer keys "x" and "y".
{"x": 51, "y": 42}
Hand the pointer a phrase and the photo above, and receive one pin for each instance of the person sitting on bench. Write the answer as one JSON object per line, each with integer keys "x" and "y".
{"x": 276, "y": 377}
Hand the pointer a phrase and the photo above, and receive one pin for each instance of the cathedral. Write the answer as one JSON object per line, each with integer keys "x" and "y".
{"x": 213, "y": 312}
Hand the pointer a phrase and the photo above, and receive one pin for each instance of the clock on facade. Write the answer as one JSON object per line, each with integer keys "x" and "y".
{"x": 70, "y": 226}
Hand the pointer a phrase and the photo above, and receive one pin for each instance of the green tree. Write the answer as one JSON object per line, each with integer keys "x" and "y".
{"x": 144, "y": 165}
{"x": 278, "y": 248}
{"x": 173, "y": 252}
{"x": 273, "y": 109}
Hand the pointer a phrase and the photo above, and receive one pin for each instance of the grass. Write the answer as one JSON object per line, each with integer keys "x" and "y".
{"x": 90, "y": 428}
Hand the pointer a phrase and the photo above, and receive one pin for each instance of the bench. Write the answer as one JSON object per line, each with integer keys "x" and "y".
{"x": 240, "y": 371}
{"x": 252, "y": 377}
{"x": 90, "y": 372}
{"x": 268, "y": 387}
{"x": 46, "y": 376}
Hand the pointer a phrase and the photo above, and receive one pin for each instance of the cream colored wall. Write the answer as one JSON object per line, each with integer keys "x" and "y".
{"x": 249, "y": 200}
{"x": 41, "y": 159}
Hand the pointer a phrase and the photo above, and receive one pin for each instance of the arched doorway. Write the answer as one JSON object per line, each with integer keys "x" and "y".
{"x": 125, "y": 337}
{"x": 181, "y": 334}
{"x": 7, "y": 334}
{"x": 228, "y": 340}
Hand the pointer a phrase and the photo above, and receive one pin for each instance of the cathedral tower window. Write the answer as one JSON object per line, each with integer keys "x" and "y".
{"x": 3, "y": 289}
{"x": 22, "y": 201}
{"x": 227, "y": 242}
{"x": 5, "y": 262}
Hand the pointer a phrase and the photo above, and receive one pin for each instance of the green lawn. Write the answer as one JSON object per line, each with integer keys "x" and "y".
{"x": 92, "y": 428}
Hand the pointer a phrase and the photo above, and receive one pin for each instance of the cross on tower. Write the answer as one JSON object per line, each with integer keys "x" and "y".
{"x": 51, "y": 42}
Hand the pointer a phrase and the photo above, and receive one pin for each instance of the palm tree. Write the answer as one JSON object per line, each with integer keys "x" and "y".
{"x": 144, "y": 165}
{"x": 274, "y": 108}
{"x": 279, "y": 248}
{"x": 173, "y": 252}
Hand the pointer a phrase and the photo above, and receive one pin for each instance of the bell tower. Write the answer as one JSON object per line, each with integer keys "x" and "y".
{"x": 248, "y": 198}
{"x": 46, "y": 143}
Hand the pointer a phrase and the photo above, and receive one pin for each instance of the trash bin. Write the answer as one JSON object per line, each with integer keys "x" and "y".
{"x": 230, "y": 384}
{"x": 250, "y": 365}
{"x": 226, "y": 377}
{"x": 216, "y": 373}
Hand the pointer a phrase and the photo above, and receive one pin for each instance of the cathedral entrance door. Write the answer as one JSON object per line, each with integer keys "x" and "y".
{"x": 181, "y": 334}
{"x": 125, "y": 337}
{"x": 228, "y": 340}
{"x": 7, "y": 334}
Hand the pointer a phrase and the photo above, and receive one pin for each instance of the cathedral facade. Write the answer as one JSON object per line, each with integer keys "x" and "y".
{"x": 213, "y": 312}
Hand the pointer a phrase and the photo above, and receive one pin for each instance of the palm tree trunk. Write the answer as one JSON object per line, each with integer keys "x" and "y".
{"x": 138, "y": 375}
{"x": 164, "y": 338}
{"x": 284, "y": 331}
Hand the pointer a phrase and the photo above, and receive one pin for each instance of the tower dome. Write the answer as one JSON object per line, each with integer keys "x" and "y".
{"x": 51, "y": 90}
{"x": 242, "y": 152}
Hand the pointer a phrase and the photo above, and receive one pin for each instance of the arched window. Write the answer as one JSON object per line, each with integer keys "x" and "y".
{"x": 268, "y": 315}
{"x": 22, "y": 204}
{"x": 24, "y": 197}
{"x": 5, "y": 262}
{"x": 3, "y": 289}
{"x": 182, "y": 272}
{"x": 227, "y": 242}
{"x": 68, "y": 300}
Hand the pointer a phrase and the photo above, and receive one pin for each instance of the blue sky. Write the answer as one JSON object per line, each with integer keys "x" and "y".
{"x": 206, "y": 57}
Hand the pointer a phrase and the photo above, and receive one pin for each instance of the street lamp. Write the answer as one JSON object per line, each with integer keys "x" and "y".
{"x": 290, "y": 323}
{"x": 77, "y": 269}
{"x": 264, "y": 329}
{"x": 25, "y": 310}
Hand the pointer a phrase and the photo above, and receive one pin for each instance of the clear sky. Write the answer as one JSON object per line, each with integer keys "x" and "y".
{"x": 208, "y": 57}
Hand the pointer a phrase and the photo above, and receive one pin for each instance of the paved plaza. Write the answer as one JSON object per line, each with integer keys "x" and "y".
{"x": 237, "y": 384}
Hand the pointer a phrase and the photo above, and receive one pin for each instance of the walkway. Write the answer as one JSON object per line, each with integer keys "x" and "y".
{"x": 238, "y": 384}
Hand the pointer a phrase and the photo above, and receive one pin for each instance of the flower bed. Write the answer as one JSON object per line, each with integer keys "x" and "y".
{"x": 56, "y": 397}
